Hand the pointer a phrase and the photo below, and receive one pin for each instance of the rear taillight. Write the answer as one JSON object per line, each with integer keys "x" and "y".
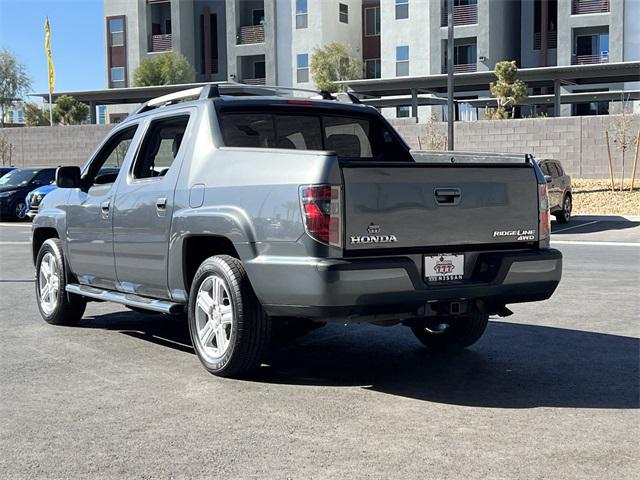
{"x": 322, "y": 211}
{"x": 544, "y": 226}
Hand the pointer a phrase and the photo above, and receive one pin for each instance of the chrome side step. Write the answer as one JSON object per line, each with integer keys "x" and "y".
{"x": 131, "y": 300}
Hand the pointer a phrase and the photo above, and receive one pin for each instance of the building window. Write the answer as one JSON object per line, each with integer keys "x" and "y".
{"x": 301, "y": 14}
{"x": 343, "y": 13}
{"x": 372, "y": 22}
{"x": 372, "y": 68}
{"x": 302, "y": 68}
{"x": 402, "y": 61}
{"x": 116, "y": 32}
{"x": 402, "y": 9}
{"x": 116, "y": 75}
{"x": 403, "y": 111}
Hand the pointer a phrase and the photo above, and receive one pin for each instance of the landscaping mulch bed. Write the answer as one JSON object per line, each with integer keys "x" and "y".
{"x": 596, "y": 197}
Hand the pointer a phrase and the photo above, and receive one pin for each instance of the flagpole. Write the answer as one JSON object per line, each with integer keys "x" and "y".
{"x": 50, "y": 110}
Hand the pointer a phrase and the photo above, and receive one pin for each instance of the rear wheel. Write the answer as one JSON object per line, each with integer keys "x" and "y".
{"x": 56, "y": 306}
{"x": 564, "y": 215}
{"x": 229, "y": 330}
{"x": 452, "y": 333}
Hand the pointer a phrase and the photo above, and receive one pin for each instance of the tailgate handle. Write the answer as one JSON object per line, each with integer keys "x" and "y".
{"x": 447, "y": 196}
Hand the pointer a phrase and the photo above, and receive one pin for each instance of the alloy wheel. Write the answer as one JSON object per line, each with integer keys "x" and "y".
{"x": 48, "y": 283}
{"x": 214, "y": 317}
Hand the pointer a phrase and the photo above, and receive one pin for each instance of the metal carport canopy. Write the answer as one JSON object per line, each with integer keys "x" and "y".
{"x": 618, "y": 72}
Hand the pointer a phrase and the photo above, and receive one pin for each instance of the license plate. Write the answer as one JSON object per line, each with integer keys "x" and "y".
{"x": 443, "y": 267}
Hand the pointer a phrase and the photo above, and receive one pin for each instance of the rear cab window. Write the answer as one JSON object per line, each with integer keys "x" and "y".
{"x": 351, "y": 136}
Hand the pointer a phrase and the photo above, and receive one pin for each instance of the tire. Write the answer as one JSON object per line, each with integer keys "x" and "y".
{"x": 229, "y": 330}
{"x": 564, "y": 215}
{"x": 461, "y": 332}
{"x": 57, "y": 307}
{"x": 19, "y": 210}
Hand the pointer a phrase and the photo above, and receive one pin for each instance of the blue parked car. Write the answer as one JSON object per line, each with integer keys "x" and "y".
{"x": 34, "y": 198}
{"x": 15, "y": 185}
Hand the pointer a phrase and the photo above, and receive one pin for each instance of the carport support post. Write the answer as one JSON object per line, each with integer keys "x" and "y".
{"x": 450, "y": 112}
{"x": 92, "y": 113}
{"x": 556, "y": 98}
{"x": 414, "y": 104}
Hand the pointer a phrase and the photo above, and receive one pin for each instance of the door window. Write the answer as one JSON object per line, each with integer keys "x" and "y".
{"x": 160, "y": 147}
{"x": 106, "y": 164}
{"x": 545, "y": 168}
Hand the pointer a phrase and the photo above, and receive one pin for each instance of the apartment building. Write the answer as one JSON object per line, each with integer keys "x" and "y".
{"x": 271, "y": 41}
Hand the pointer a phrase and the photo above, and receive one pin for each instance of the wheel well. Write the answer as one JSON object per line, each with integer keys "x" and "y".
{"x": 41, "y": 235}
{"x": 197, "y": 248}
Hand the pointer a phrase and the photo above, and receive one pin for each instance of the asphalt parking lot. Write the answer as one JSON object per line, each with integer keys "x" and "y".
{"x": 550, "y": 392}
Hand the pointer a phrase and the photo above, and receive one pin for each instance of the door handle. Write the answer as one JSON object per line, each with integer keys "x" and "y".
{"x": 104, "y": 207}
{"x": 447, "y": 196}
{"x": 161, "y": 204}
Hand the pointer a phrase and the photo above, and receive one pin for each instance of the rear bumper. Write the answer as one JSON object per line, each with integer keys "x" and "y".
{"x": 324, "y": 288}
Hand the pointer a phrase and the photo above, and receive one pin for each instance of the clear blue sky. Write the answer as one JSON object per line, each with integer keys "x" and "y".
{"x": 77, "y": 41}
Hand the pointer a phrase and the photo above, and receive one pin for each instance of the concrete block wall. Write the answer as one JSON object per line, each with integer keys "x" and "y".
{"x": 60, "y": 145}
{"x": 578, "y": 142}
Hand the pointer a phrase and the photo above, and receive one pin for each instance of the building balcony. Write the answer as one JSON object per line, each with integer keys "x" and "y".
{"x": 160, "y": 43}
{"x": 462, "y": 14}
{"x": 589, "y": 59}
{"x": 254, "y": 81}
{"x": 581, "y": 7}
{"x": 251, "y": 34}
{"x": 552, "y": 40}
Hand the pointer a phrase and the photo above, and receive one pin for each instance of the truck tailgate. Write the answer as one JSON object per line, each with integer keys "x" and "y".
{"x": 439, "y": 205}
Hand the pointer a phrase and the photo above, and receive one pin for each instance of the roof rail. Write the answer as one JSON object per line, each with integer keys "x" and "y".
{"x": 215, "y": 90}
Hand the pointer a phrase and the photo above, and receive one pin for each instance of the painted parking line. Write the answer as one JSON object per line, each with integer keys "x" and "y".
{"x": 15, "y": 243}
{"x": 586, "y": 242}
{"x": 575, "y": 226}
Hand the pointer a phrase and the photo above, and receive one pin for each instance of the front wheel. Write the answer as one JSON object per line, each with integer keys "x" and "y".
{"x": 56, "y": 306}
{"x": 229, "y": 330}
{"x": 20, "y": 210}
{"x": 453, "y": 333}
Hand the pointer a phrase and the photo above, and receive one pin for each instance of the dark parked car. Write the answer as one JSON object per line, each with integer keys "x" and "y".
{"x": 559, "y": 187}
{"x": 15, "y": 185}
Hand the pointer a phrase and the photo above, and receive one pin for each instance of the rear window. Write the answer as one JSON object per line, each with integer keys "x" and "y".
{"x": 349, "y": 137}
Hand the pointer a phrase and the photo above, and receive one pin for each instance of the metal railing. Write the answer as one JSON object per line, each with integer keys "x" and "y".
{"x": 463, "y": 68}
{"x": 462, "y": 14}
{"x": 552, "y": 40}
{"x": 254, "y": 81}
{"x": 581, "y": 7}
{"x": 160, "y": 43}
{"x": 251, "y": 34}
{"x": 589, "y": 59}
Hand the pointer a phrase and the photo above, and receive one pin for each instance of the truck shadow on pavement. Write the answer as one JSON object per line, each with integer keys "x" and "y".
{"x": 512, "y": 366}
{"x": 578, "y": 225}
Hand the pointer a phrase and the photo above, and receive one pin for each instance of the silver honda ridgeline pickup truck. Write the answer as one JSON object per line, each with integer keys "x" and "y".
{"x": 251, "y": 211}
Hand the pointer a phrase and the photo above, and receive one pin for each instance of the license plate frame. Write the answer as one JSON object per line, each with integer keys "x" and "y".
{"x": 444, "y": 267}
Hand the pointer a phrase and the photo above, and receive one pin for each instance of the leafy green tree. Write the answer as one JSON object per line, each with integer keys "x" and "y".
{"x": 34, "y": 116}
{"x": 69, "y": 111}
{"x": 14, "y": 81}
{"x": 508, "y": 90}
{"x": 334, "y": 63}
{"x": 167, "y": 68}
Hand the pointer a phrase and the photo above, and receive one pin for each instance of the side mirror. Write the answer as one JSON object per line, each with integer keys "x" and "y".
{"x": 68, "y": 177}
{"x": 548, "y": 178}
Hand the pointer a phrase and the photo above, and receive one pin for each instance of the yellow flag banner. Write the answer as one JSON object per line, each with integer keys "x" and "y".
{"x": 47, "y": 48}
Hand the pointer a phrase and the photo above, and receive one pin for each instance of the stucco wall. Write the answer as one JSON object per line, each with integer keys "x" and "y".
{"x": 578, "y": 142}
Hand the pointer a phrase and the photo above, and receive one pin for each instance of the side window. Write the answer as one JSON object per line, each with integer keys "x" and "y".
{"x": 545, "y": 168}
{"x": 45, "y": 177}
{"x": 559, "y": 169}
{"x": 160, "y": 147}
{"x": 106, "y": 165}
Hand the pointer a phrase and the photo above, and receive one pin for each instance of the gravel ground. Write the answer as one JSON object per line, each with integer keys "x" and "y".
{"x": 596, "y": 197}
